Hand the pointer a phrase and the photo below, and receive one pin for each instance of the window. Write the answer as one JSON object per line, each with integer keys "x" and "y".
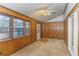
{"x": 4, "y": 26}
{"x": 27, "y": 28}
{"x": 17, "y": 27}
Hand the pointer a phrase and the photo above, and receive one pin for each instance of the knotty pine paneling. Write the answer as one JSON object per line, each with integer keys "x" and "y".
{"x": 33, "y": 30}
{"x": 14, "y": 44}
{"x": 53, "y": 30}
{"x": 11, "y": 46}
{"x": 13, "y": 13}
{"x": 45, "y": 30}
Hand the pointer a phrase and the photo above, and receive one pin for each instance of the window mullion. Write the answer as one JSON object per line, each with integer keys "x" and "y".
{"x": 11, "y": 28}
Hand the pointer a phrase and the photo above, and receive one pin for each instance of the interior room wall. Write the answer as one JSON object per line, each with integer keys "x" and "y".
{"x": 53, "y": 28}
{"x": 14, "y": 44}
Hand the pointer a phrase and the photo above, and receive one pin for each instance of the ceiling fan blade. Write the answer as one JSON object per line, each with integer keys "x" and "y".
{"x": 52, "y": 11}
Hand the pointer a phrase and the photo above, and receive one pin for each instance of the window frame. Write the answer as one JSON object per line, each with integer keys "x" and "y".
{"x": 11, "y": 18}
{"x": 29, "y": 33}
{"x": 15, "y": 37}
{"x": 9, "y": 38}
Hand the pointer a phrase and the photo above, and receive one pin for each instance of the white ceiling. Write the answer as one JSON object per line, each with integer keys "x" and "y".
{"x": 29, "y": 9}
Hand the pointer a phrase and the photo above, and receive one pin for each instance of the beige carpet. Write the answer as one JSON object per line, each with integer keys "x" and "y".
{"x": 51, "y": 47}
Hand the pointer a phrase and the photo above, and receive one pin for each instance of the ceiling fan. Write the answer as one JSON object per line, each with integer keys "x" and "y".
{"x": 45, "y": 11}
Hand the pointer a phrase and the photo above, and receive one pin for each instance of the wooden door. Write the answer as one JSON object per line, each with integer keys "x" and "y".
{"x": 38, "y": 31}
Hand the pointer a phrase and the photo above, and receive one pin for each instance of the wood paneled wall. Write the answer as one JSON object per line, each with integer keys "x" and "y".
{"x": 33, "y": 30}
{"x": 45, "y": 30}
{"x": 12, "y": 45}
{"x": 12, "y": 13}
{"x": 53, "y": 30}
{"x": 66, "y": 31}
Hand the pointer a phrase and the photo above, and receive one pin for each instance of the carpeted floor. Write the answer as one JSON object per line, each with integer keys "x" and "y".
{"x": 49, "y": 47}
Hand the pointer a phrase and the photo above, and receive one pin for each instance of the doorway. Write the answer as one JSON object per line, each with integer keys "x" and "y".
{"x": 38, "y": 31}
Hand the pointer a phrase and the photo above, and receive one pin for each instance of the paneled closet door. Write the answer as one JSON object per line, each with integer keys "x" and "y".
{"x": 45, "y": 30}
{"x": 56, "y": 30}
{"x": 53, "y": 30}
{"x": 59, "y": 30}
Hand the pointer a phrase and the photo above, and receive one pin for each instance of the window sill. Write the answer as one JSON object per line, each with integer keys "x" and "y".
{"x": 7, "y": 39}
{"x": 22, "y": 36}
{"x": 3, "y": 40}
{"x": 18, "y": 37}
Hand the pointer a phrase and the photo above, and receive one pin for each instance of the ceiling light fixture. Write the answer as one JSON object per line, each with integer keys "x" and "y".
{"x": 44, "y": 12}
